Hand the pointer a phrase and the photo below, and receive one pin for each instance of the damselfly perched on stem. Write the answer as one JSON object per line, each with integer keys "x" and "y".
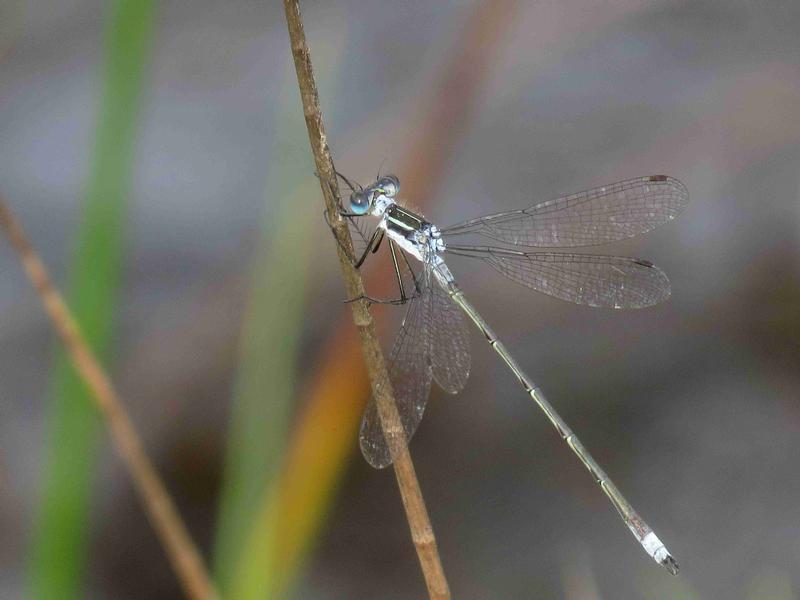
{"x": 433, "y": 341}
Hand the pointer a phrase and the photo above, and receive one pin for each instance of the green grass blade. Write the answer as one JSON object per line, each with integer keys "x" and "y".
{"x": 58, "y": 552}
{"x": 264, "y": 390}
{"x": 265, "y": 385}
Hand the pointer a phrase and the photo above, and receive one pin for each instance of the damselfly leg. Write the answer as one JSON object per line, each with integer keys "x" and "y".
{"x": 404, "y": 296}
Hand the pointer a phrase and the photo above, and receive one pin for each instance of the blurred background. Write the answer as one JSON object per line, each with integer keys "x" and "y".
{"x": 157, "y": 156}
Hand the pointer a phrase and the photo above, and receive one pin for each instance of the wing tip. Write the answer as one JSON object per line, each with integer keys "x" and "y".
{"x": 376, "y": 458}
{"x": 671, "y": 181}
{"x": 662, "y": 284}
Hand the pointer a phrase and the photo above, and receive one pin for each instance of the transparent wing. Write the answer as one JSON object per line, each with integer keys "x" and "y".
{"x": 596, "y": 216}
{"x": 361, "y": 230}
{"x": 450, "y": 355}
{"x": 410, "y": 374}
{"x": 601, "y": 281}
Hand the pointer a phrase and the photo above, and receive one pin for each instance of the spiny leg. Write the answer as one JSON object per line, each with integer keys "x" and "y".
{"x": 404, "y": 298}
{"x": 378, "y": 244}
{"x": 377, "y": 235}
{"x": 372, "y": 246}
{"x": 397, "y": 271}
{"x": 413, "y": 275}
{"x": 347, "y": 181}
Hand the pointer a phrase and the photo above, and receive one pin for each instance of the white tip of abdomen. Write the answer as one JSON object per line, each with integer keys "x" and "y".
{"x": 656, "y": 548}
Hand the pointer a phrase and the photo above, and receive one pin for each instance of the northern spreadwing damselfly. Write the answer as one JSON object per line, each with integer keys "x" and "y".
{"x": 433, "y": 343}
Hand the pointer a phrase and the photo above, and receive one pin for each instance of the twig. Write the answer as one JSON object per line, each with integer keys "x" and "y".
{"x": 416, "y": 513}
{"x": 160, "y": 509}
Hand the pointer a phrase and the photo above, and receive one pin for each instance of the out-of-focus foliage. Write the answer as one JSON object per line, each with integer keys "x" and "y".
{"x": 292, "y": 510}
{"x": 58, "y": 553}
{"x": 265, "y": 390}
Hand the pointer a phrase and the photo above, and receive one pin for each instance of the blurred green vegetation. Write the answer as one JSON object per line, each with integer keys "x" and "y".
{"x": 264, "y": 391}
{"x": 263, "y": 395}
{"x": 264, "y": 401}
{"x": 58, "y": 553}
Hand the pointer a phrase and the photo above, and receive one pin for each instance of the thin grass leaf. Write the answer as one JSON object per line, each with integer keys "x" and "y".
{"x": 273, "y": 324}
{"x": 58, "y": 553}
{"x": 293, "y": 510}
{"x": 264, "y": 389}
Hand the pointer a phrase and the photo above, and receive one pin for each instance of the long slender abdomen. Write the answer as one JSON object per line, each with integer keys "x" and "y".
{"x": 637, "y": 526}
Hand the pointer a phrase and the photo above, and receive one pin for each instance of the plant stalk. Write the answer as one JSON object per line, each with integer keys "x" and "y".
{"x": 181, "y": 551}
{"x": 421, "y": 530}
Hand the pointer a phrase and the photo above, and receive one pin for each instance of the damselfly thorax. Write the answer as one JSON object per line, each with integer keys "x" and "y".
{"x": 412, "y": 233}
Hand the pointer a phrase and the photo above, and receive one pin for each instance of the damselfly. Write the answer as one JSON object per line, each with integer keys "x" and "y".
{"x": 433, "y": 343}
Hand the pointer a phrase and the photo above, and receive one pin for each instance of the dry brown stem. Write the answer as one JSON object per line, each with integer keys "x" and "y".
{"x": 416, "y": 513}
{"x": 160, "y": 509}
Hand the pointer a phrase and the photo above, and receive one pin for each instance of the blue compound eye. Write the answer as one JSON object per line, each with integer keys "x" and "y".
{"x": 359, "y": 203}
{"x": 389, "y": 184}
